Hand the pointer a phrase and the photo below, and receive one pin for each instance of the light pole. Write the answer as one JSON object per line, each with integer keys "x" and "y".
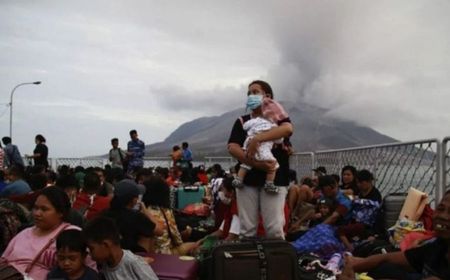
{"x": 11, "y": 103}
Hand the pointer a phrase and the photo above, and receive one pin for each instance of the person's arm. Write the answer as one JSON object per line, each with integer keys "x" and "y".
{"x": 176, "y": 236}
{"x": 371, "y": 262}
{"x": 346, "y": 242}
{"x": 218, "y": 233}
{"x": 305, "y": 193}
{"x": 292, "y": 198}
{"x": 238, "y": 153}
{"x": 39, "y": 152}
{"x": 347, "y": 192}
{"x": 142, "y": 151}
{"x": 285, "y": 129}
{"x": 232, "y": 236}
{"x": 331, "y": 220}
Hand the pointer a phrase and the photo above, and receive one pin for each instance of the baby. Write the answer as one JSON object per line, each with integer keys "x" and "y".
{"x": 263, "y": 119}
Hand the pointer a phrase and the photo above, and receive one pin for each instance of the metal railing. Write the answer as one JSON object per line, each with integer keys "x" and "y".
{"x": 101, "y": 162}
{"x": 225, "y": 162}
{"x": 423, "y": 164}
{"x": 302, "y": 163}
{"x": 396, "y": 166}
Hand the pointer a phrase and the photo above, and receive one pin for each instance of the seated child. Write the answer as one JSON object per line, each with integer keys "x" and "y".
{"x": 264, "y": 118}
{"x": 103, "y": 241}
{"x": 71, "y": 254}
{"x": 325, "y": 208}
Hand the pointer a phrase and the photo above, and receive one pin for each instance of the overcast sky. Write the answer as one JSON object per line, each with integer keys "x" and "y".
{"x": 110, "y": 66}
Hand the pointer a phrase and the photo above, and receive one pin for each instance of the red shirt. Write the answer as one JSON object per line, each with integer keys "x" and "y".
{"x": 203, "y": 178}
{"x": 90, "y": 208}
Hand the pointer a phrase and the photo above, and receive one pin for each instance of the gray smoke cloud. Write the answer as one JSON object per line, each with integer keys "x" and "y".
{"x": 111, "y": 66}
{"x": 384, "y": 64}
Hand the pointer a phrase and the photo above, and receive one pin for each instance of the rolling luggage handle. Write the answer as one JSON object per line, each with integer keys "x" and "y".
{"x": 262, "y": 260}
{"x": 259, "y": 253}
{"x": 191, "y": 188}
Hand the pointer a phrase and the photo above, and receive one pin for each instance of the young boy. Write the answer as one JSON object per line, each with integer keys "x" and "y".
{"x": 71, "y": 256}
{"x": 264, "y": 118}
{"x": 103, "y": 240}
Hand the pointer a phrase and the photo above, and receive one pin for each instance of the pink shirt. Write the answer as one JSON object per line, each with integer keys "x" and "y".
{"x": 24, "y": 247}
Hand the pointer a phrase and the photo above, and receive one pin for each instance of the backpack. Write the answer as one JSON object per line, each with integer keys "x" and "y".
{"x": 12, "y": 220}
{"x": 13, "y": 158}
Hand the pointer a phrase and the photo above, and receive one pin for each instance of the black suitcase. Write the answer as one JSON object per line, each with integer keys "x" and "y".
{"x": 254, "y": 260}
{"x": 392, "y": 206}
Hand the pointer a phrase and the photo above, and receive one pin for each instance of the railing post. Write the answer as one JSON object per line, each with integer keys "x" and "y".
{"x": 54, "y": 164}
{"x": 439, "y": 188}
{"x": 444, "y": 163}
{"x": 313, "y": 162}
{"x": 375, "y": 163}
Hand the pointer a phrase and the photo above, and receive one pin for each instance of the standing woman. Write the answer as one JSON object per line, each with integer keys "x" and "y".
{"x": 40, "y": 153}
{"x": 252, "y": 199}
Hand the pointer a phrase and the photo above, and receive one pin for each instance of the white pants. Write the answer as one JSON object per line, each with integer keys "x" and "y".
{"x": 251, "y": 202}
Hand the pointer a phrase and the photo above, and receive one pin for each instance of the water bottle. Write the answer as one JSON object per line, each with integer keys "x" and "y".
{"x": 334, "y": 264}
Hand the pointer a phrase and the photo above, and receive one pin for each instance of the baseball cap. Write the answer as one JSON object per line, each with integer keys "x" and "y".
{"x": 126, "y": 188}
{"x": 325, "y": 201}
{"x": 320, "y": 169}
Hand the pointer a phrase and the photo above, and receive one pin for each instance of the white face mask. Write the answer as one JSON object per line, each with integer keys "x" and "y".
{"x": 225, "y": 200}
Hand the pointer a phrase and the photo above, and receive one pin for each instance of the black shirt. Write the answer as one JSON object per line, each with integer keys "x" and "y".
{"x": 132, "y": 225}
{"x": 43, "y": 151}
{"x": 430, "y": 259}
{"x": 58, "y": 274}
{"x": 374, "y": 195}
{"x": 255, "y": 177}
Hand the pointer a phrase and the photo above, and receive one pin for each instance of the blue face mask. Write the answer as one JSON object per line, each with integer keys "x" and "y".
{"x": 254, "y": 101}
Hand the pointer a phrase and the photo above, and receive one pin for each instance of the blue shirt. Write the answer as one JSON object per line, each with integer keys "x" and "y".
{"x": 187, "y": 155}
{"x": 17, "y": 187}
{"x": 137, "y": 147}
{"x": 344, "y": 206}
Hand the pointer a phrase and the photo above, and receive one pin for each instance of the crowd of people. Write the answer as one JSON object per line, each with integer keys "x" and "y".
{"x": 77, "y": 223}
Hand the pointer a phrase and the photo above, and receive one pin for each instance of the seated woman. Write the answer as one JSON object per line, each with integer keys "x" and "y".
{"x": 300, "y": 204}
{"x": 136, "y": 225}
{"x": 157, "y": 200}
{"x": 349, "y": 182}
{"x": 430, "y": 261}
{"x": 50, "y": 212}
{"x": 299, "y": 193}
